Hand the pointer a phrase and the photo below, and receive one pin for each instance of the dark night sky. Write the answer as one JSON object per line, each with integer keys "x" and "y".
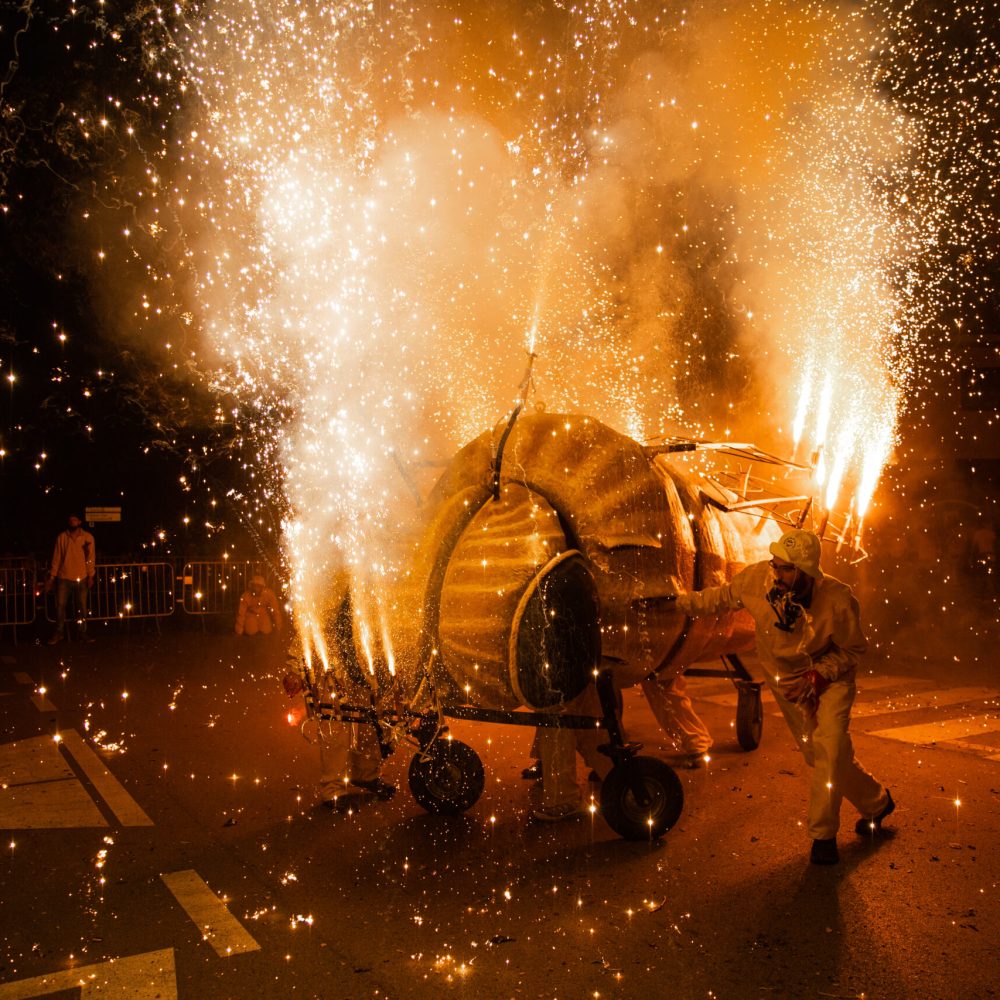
{"x": 116, "y": 429}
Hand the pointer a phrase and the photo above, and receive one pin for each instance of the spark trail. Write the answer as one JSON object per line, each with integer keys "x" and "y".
{"x": 695, "y": 218}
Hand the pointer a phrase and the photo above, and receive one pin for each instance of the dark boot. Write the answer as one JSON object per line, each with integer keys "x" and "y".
{"x": 382, "y": 790}
{"x": 824, "y": 852}
{"x": 872, "y": 827}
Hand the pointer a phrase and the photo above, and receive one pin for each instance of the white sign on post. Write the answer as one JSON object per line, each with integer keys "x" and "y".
{"x": 92, "y": 514}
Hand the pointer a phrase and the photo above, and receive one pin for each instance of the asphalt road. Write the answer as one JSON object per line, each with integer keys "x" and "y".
{"x": 171, "y": 843}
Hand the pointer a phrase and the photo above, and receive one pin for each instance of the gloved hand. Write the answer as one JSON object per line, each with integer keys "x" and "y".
{"x": 804, "y": 689}
{"x": 818, "y": 681}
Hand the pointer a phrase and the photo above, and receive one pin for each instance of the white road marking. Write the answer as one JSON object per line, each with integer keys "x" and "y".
{"x": 729, "y": 700}
{"x": 217, "y": 925}
{"x": 128, "y": 811}
{"x": 926, "y": 699}
{"x": 42, "y": 703}
{"x": 865, "y": 684}
{"x": 938, "y": 732}
{"x": 908, "y": 702}
{"x": 40, "y": 791}
{"x": 979, "y": 749}
{"x": 50, "y": 805}
{"x": 150, "y": 976}
{"x": 35, "y": 759}
{"x": 912, "y": 694}
{"x": 878, "y": 682}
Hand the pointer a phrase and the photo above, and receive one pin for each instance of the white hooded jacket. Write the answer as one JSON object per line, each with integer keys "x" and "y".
{"x": 827, "y": 637}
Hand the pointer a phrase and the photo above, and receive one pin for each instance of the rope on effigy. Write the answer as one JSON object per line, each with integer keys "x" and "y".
{"x": 525, "y": 385}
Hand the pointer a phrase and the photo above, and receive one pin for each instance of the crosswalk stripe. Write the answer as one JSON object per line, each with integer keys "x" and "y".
{"x": 151, "y": 976}
{"x": 879, "y": 682}
{"x": 926, "y": 699}
{"x": 865, "y": 684}
{"x": 909, "y": 702}
{"x": 217, "y": 925}
{"x": 22, "y": 678}
{"x": 128, "y": 811}
{"x": 967, "y": 746}
{"x": 729, "y": 700}
{"x": 913, "y": 694}
{"x": 48, "y": 805}
{"x": 42, "y": 703}
{"x": 38, "y": 789}
{"x": 948, "y": 729}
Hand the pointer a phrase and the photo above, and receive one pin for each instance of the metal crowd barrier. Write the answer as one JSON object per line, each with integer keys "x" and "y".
{"x": 126, "y": 590}
{"x": 18, "y": 580}
{"x": 131, "y": 590}
{"x": 214, "y": 587}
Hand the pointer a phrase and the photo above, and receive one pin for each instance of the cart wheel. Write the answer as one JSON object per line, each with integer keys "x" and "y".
{"x": 749, "y": 716}
{"x": 448, "y": 778}
{"x": 641, "y": 798}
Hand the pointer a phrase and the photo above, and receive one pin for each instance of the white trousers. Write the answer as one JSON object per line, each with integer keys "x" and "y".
{"x": 557, "y": 750}
{"x": 347, "y": 752}
{"x": 672, "y": 708}
{"x": 828, "y": 749}
{"x": 560, "y": 789}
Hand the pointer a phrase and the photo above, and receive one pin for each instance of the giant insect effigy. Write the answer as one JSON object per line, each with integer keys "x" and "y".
{"x": 547, "y": 562}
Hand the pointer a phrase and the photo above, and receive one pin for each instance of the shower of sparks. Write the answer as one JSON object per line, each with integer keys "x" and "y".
{"x": 754, "y": 215}
{"x": 373, "y": 261}
{"x": 388, "y": 225}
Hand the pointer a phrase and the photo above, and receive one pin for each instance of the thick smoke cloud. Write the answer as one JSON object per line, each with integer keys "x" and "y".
{"x": 691, "y": 219}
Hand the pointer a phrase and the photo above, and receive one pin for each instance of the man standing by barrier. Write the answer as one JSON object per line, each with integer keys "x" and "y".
{"x": 72, "y": 575}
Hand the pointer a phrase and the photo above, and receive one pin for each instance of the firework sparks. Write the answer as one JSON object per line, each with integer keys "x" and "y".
{"x": 695, "y": 219}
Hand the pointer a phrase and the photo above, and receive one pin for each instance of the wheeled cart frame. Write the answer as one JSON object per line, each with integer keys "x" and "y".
{"x": 641, "y": 797}
{"x": 749, "y": 708}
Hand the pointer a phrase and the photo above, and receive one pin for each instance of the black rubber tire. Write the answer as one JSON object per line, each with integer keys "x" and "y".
{"x": 749, "y": 716}
{"x": 631, "y": 818}
{"x": 448, "y": 778}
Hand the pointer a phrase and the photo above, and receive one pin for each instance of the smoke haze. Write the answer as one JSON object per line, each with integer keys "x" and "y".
{"x": 696, "y": 220}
